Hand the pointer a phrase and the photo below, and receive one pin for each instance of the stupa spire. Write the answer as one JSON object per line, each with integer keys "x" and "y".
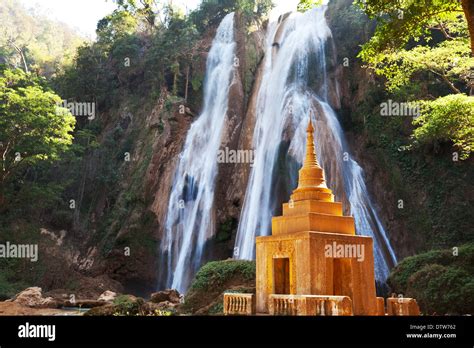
{"x": 310, "y": 159}
{"x": 311, "y": 176}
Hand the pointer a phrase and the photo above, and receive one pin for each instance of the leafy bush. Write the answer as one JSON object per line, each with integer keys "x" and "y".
{"x": 440, "y": 290}
{"x": 127, "y": 305}
{"x": 215, "y": 278}
{"x": 449, "y": 118}
{"x": 442, "y": 282}
{"x": 216, "y": 273}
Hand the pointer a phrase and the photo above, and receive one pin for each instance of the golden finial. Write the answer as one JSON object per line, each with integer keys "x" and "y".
{"x": 311, "y": 176}
{"x": 310, "y": 159}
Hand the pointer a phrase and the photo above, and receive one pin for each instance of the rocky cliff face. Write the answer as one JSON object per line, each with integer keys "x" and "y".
{"x": 127, "y": 248}
{"x": 127, "y": 225}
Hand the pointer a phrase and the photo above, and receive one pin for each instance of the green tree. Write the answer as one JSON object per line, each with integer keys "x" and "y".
{"x": 449, "y": 118}
{"x": 211, "y": 12}
{"x": 401, "y": 21}
{"x": 407, "y": 41}
{"x": 305, "y": 5}
{"x": 145, "y": 9}
{"x": 33, "y": 42}
{"x": 416, "y": 41}
{"x": 33, "y": 128}
{"x": 115, "y": 26}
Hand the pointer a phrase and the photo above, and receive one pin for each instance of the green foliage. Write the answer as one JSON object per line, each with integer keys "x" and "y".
{"x": 9, "y": 286}
{"x": 407, "y": 42}
{"x": 449, "y": 118}
{"x": 144, "y": 9}
{"x": 89, "y": 78}
{"x": 442, "y": 282}
{"x": 216, "y": 273}
{"x": 224, "y": 230}
{"x": 115, "y": 26}
{"x": 213, "y": 279}
{"x": 127, "y": 305}
{"x": 196, "y": 81}
{"x": 443, "y": 290}
{"x": 449, "y": 61}
{"x": 217, "y": 308}
{"x": 26, "y": 37}
{"x": 6, "y": 288}
{"x": 400, "y": 22}
{"x": 33, "y": 129}
{"x": 416, "y": 41}
{"x": 305, "y": 5}
{"x": 211, "y": 12}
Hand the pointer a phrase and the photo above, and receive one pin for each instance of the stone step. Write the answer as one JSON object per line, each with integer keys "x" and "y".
{"x": 313, "y": 222}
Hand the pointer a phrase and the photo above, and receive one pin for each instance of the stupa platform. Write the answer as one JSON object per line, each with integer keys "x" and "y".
{"x": 316, "y": 263}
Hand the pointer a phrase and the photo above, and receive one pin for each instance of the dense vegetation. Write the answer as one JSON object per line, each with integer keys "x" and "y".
{"x": 427, "y": 40}
{"x": 146, "y": 53}
{"x": 31, "y": 41}
{"x": 442, "y": 281}
{"x": 215, "y": 278}
{"x": 430, "y": 66}
{"x": 424, "y": 162}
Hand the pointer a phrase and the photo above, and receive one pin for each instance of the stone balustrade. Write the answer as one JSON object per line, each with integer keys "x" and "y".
{"x": 401, "y": 306}
{"x": 380, "y": 306}
{"x": 310, "y": 305}
{"x": 239, "y": 304}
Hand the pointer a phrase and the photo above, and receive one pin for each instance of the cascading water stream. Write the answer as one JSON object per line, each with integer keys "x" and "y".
{"x": 294, "y": 85}
{"x": 189, "y": 221}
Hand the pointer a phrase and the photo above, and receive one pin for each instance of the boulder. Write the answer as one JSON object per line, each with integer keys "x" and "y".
{"x": 150, "y": 307}
{"x": 169, "y": 295}
{"x": 107, "y": 296}
{"x": 33, "y": 297}
{"x": 106, "y": 310}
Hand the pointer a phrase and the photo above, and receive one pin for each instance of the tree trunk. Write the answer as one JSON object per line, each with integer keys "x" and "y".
{"x": 22, "y": 55}
{"x": 468, "y": 8}
{"x": 3, "y": 200}
{"x": 187, "y": 85}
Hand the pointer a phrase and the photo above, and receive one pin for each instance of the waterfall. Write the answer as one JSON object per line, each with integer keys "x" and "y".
{"x": 295, "y": 86}
{"x": 189, "y": 220}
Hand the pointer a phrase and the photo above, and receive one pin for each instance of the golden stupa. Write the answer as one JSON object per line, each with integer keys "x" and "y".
{"x": 313, "y": 263}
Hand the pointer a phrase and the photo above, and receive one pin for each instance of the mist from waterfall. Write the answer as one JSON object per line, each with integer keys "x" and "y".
{"x": 189, "y": 220}
{"x": 295, "y": 85}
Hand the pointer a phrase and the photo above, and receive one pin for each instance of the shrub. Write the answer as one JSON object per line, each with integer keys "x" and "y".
{"x": 127, "y": 305}
{"x": 215, "y": 278}
{"x": 216, "y": 273}
{"x": 441, "y": 281}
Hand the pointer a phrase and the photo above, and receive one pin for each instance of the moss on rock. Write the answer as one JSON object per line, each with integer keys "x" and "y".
{"x": 215, "y": 278}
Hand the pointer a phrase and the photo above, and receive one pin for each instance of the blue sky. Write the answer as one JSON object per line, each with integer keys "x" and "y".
{"x": 84, "y": 14}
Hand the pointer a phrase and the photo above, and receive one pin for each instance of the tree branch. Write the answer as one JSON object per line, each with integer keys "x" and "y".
{"x": 20, "y": 51}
